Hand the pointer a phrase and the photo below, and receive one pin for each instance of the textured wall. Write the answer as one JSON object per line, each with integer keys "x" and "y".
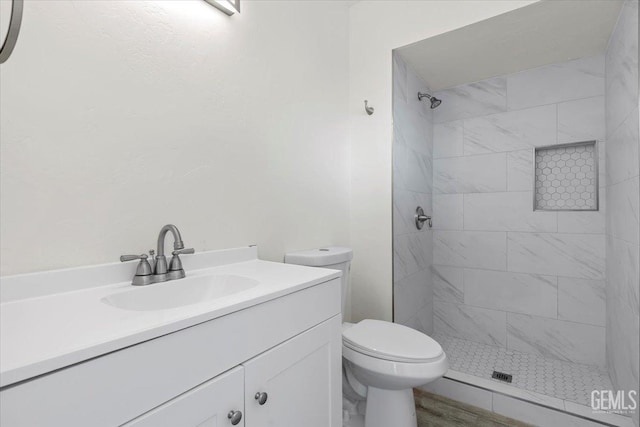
{"x": 623, "y": 201}
{"x": 121, "y": 116}
{"x": 412, "y": 187}
{"x": 504, "y": 274}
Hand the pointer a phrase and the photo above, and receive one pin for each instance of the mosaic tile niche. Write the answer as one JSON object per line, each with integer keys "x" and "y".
{"x": 567, "y": 177}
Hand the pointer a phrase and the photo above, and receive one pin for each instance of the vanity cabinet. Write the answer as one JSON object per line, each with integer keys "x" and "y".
{"x": 290, "y": 385}
{"x": 288, "y": 347}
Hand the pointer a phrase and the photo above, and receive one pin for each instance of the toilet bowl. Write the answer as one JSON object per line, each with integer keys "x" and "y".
{"x": 382, "y": 361}
{"x": 389, "y": 360}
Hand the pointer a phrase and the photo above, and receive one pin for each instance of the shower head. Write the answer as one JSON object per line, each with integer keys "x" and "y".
{"x": 435, "y": 102}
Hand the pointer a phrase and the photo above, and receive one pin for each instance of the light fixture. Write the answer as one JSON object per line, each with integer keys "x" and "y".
{"x": 227, "y": 6}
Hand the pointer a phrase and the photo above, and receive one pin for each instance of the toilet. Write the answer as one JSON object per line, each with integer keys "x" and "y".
{"x": 382, "y": 361}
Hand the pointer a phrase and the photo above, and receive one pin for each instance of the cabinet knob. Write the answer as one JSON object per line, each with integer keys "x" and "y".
{"x": 261, "y": 397}
{"x": 235, "y": 417}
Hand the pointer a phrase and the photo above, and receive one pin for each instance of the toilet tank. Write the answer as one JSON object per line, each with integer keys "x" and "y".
{"x": 333, "y": 257}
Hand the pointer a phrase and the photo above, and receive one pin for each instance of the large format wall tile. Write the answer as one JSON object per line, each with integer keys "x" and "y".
{"x": 473, "y": 174}
{"x": 582, "y": 300}
{"x": 555, "y": 83}
{"x": 472, "y": 323}
{"x": 509, "y": 211}
{"x": 513, "y": 292}
{"x": 581, "y": 120}
{"x": 399, "y": 80}
{"x": 510, "y": 131}
{"x": 448, "y": 283}
{"x": 472, "y": 100}
{"x": 623, "y": 336}
{"x": 623, "y": 205}
{"x": 412, "y": 187}
{"x": 470, "y": 249}
{"x": 590, "y": 222}
{"x": 411, "y": 253}
{"x": 447, "y": 211}
{"x": 448, "y": 139}
{"x": 419, "y": 173}
{"x": 622, "y": 67}
{"x": 412, "y": 128}
{"x": 561, "y": 254}
{"x": 410, "y": 295}
{"x": 520, "y": 170}
{"x": 574, "y": 342}
{"x": 623, "y": 273}
{"x": 404, "y": 209}
{"x": 623, "y": 210}
{"x": 622, "y": 150}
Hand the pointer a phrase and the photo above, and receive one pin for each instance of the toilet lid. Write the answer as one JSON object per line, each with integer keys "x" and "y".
{"x": 391, "y": 341}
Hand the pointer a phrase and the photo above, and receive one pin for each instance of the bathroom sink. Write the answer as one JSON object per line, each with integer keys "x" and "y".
{"x": 180, "y": 293}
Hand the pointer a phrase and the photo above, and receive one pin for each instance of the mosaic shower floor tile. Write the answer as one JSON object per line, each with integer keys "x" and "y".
{"x": 551, "y": 377}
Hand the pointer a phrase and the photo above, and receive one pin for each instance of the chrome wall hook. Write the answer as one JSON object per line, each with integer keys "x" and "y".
{"x": 368, "y": 109}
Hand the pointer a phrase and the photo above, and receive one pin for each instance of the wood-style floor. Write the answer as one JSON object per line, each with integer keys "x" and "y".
{"x": 437, "y": 411}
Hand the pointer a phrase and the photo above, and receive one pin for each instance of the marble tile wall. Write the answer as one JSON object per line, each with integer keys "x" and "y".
{"x": 503, "y": 274}
{"x": 623, "y": 201}
{"x": 412, "y": 187}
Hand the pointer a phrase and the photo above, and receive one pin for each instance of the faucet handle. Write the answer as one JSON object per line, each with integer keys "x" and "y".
{"x": 143, "y": 271}
{"x": 187, "y": 251}
{"x": 175, "y": 266}
{"x": 125, "y": 258}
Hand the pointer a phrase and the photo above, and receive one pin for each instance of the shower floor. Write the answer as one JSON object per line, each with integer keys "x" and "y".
{"x": 544, "y": 381}
{"x": 550, "y": 377}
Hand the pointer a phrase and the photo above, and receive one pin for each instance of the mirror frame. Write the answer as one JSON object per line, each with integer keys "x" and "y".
{"x": 13, "y": 31}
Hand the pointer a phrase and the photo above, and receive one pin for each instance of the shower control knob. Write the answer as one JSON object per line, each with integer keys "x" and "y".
{"x": 421, "y": 218}
{"x": 261, "y": 397}
{"x": 234, "y": 417}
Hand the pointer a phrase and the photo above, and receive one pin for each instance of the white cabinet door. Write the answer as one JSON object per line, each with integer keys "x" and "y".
{"x": 208, "y": 405}
{"x": 301, "y": 378}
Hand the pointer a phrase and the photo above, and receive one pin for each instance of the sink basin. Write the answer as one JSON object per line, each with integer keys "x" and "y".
{"x": 180, "y": 293}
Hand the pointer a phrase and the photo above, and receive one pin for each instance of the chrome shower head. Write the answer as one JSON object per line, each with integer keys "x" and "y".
{"x": 435, "y": 102}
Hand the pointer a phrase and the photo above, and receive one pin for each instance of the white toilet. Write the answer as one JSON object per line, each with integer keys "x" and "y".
{"x": 382, "y": 361}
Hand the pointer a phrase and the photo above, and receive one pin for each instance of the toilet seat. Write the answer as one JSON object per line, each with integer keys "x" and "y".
{"x": 391, "y": 342}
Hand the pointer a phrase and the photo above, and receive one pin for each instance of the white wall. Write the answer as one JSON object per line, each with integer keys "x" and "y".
{"x": 375, "y": 28}
{"x": 121, "y": 116}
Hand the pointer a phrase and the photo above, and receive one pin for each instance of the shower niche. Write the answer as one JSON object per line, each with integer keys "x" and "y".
{"x": 566, "y": 177}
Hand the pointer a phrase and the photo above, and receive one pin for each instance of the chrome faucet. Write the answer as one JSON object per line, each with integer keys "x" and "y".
{"x": 146, "y": 274}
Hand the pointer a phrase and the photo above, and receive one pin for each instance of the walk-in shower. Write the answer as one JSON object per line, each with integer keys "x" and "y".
{"x": 529, "y": 277}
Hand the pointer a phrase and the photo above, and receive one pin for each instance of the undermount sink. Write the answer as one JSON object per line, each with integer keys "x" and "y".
{"x": 179, "y": 293}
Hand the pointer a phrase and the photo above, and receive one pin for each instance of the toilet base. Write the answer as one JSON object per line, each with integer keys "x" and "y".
{"x": 386, "y": 408}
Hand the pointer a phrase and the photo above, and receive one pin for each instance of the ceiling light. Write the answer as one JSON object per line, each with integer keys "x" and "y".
{"x": 227, "y": 6}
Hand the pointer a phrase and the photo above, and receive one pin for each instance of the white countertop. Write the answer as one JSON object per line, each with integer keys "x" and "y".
{"x": 43, "y": 333}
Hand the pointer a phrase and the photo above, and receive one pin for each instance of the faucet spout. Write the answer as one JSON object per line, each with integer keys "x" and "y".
{"x": 177, "y": 238}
